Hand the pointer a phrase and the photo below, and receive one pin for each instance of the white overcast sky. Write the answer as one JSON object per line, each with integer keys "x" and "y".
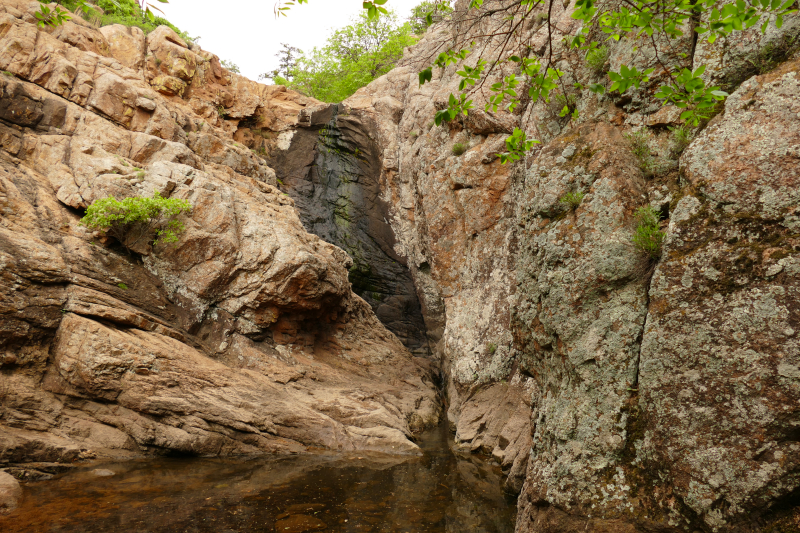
{"x": 247, "y": 33}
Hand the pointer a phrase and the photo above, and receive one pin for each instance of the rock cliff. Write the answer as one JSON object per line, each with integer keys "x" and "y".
{"x": 243, "y": 337}
{"x": 617, "y": 393}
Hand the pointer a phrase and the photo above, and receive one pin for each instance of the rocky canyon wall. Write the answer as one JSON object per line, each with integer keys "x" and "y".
{"x": 331, "y": 167}
{"x": 243, "y": 337}
{"x": 342, "y": 258}
{"x": 617, "y": 394}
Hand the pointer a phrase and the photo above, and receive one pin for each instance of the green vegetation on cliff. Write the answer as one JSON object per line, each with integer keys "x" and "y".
{"x": 107, "y": 12}
{"x": 138, "y": 220}
{"x": 352, "y": 57}
{"x": 648, "y": 236}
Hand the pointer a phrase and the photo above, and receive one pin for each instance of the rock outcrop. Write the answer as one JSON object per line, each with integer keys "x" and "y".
{"x": 10, "y": 493}
{"x": 625, "y": 395}
{"x": 331, "y": 167}
{"x": 618, "y": 393}
{"x": 243, "y": 337}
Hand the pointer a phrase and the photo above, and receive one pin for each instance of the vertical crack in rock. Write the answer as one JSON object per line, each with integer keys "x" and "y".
{"x": 332, "y": 170}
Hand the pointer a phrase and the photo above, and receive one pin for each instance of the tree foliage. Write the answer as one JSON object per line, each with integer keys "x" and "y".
{"x": 230, "y": 65}
{"x": 352, "y": 57}
{"x": 138, "y": 220}
{"x": 125, "y": 12}
{"x": 428, "y": 13}
{"x": 287, "y": 62}
{"x": 602, "y": 21}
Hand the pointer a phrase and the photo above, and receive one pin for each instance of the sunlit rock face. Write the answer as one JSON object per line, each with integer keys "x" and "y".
{"x": 244, "y": 336}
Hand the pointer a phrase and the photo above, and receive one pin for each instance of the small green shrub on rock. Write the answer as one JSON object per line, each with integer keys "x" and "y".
{"x": 138, "y": 220}
{"x": 681, "y": 138}
{"x": 459, "y": 149}
{"x": 596, "y": 59}
{"x": 640, "y": 146}
{"x": 647, "y": 236}
{"x": 572, "y": 199}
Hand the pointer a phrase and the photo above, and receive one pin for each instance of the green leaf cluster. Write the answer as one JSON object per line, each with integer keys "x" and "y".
{"x": 628, "y": 77}
{"x": 689, "y": 92}
{"x": 352, "y": 57}
{"x": 138, "y": 220}
{"x": 427, "y": 13}
{"x": 50, "y": 17}
{"x": 517, "y": 145}
{"x": 647, "y": 236}
{"x": 374, "y": 8}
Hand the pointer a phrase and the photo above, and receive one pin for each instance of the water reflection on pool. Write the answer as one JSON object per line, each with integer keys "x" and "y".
{"x": 439, "y": 492}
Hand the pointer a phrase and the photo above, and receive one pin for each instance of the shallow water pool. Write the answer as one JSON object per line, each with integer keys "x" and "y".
{"x": 441, "y": 491}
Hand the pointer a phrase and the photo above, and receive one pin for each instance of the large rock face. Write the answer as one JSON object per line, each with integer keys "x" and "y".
{"x": 720, "y": 363}
{"x": 578, "y": 320}
{"x": 618, "y": 394}
{"x": 332, "y": 169}
{"x": 242, "y": 337}
{"x": 626, "y": 395}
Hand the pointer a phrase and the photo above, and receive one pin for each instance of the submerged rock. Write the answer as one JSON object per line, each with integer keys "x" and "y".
{"x": 299, "y": 523}
{"x": 10, "y": 493}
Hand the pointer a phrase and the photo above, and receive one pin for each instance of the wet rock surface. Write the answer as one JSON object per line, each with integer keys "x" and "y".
{"x": 332, "y": 170}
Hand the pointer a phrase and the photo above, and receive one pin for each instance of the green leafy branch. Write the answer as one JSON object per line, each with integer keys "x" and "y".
{"x": 50, "y": 17}
{"x": 517, "y": 145}
{"x": 455, "y": 105}
{"x": 374, "y": 8}
{"x": 690, "y": 93}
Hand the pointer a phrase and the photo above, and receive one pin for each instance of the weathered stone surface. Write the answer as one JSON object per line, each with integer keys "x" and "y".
{"x": 582, "y": 303}
{"x": 10, "y": 492}
{"x": 243, "y": 337}
{"x": 720, "y": 355}
{"x": 125, "y": 44}
{"x": 731, "y": 60}
{"x": 334, "y": 175}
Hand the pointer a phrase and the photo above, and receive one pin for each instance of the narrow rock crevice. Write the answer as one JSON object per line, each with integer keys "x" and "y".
{"x": 332, "y": 171}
